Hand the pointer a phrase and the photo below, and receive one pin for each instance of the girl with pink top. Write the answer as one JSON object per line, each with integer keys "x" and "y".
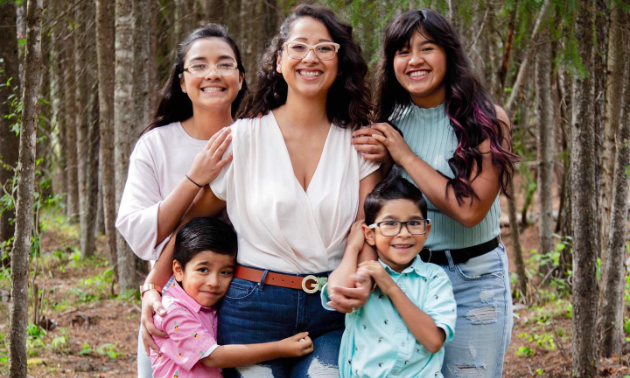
{"x": 182, "y": 148}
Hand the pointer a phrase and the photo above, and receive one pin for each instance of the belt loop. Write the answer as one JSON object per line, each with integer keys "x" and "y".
{"x": 261, "y": 284}
{"x": 451, "y": 265}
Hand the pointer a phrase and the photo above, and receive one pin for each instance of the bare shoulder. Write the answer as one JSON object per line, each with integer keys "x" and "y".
{"x": 504, "y": 121}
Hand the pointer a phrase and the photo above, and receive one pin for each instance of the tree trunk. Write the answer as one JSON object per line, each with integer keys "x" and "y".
{"x": 9, "y": 141}
{"x": 26, "y": 186}
{"x": 125, "y": 129}
{"x": 58, "y": 101}
{"x": 614, "y": 281}
{"x": 71, "y": 126}
{"x": 89, "y": 160}
{"x": 584, "y": 346}
{"x": 612, "y": 118}
{"x": 546, "y": 148}
{"x": 516, "y": 244}
{"x": 140, "y": 90}
{"x": 105, "y": 53}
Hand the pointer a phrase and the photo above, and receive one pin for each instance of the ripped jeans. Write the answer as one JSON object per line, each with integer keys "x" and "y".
{"x": 253, "y": 313}
{"x": 484, "y": 316}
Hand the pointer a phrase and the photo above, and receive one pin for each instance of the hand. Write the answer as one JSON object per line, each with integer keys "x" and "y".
{"x": 296, "y": 345}
{"x": 209, "y": 162}
{"x": 151, "y": 304}
{"x": 348, "y": 299}
{"x": 376, "y": 271}
{"x": 395, "y": 143}
{"x": 368, "y": 147}
{"x": 356, "y": 239}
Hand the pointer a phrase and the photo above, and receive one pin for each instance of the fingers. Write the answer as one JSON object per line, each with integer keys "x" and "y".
{"x": 299, "y": 336}
{"x": 218, "y": 138}
{"x": 364, "y": 139}
{"x": 148, "y": 342}
{"x": 221, "y": 148}
{"x": 158, "y": 308}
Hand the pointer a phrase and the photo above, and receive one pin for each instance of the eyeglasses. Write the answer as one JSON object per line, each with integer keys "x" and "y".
{"x": 323, "y": 50}
{"x": 204, "y": 69}
{"x": 393, "y": 228}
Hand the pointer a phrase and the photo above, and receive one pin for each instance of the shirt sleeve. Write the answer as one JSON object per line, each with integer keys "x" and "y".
{"x": 188, "y": 341}
{"x": 440, "y": 303}
{"x": 138, "y": 212}
{"x": 366, "y": 167}
{"x": 222, "y": 183}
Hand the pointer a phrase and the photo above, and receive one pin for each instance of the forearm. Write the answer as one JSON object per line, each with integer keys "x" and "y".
{"x": 341, "y": 276}
{"x": 163, "y": 268}
{"x": 242, "y": 355}
{"x": 421, "y": 325}
{"x": 173, "y": 207}
{"x": 205, "y": 205}
{"x": 434, "y": 186}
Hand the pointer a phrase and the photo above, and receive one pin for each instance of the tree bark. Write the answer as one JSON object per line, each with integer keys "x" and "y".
{"x": 516, "y": 244}
{"x": 60, "y": 184}
{"x": 71, "y": 126}
{"x": 546, "y": 148}
{"x": 612, "y": 118}
{"x": 26, "y": 185}
{"x": 584, "y": 345}
{"x": 141, "y": 59}
{"x": 9, "y": 141}
{"x": 106, "y": 58}
{"x": 614, "y": 281}
{"x": 125, "y": 129}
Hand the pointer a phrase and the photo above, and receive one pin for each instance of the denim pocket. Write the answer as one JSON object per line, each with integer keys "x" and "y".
{"x": 240, "y": 289}
{"x": 486, "y": 266}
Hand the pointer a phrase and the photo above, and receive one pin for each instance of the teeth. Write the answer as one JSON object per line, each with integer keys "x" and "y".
{"x": 310, "y": 73}
{"x": 212, "y": 89}
{"x": 419, "y": 73}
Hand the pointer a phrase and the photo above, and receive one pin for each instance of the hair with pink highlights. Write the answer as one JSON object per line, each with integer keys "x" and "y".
{"x": 469, "y": 107}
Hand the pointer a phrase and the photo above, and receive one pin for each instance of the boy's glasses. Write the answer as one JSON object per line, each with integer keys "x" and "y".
{"x": 393, "y": 228}
{"x": 204, "y": 69}
{"x": 324, "y": 50}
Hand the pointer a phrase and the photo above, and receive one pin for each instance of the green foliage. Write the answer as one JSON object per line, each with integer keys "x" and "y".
{"x": 108, "y": 349}
{"x": 524, "y": 352}
{"x": 95, "y": 288}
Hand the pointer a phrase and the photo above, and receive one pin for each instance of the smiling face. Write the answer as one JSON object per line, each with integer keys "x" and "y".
{"x": 397, "y": 251}
{"x": 214, "y": 91}
{"x": 420, "y": 69}
{"x": 310, "y": 76}
{"x": 206, "y": 276}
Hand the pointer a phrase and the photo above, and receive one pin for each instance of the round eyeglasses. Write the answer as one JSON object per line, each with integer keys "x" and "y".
{"x": 323, "y": 50}
{"x": 204, "y": 69}
{"x": 393, "y": 228}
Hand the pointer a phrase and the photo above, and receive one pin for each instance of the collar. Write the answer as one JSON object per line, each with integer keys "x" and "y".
{"x": 417, "y": 266}
{"x": 175, "y": 291}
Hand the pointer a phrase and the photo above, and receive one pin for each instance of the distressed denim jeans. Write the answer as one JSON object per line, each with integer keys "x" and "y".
{"x": 258, "y": 313}
{"x": 484, "y": 316}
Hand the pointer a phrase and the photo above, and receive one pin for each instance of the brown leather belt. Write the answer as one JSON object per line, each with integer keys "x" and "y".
{"x": 310, "y": 284}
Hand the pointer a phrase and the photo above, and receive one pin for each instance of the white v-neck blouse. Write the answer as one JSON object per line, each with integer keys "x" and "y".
{"x": 280, "y": 226}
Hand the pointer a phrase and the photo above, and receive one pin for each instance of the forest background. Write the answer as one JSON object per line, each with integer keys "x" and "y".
{"x": 79, "y": 80}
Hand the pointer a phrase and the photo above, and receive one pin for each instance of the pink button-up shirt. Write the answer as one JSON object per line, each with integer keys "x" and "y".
{"x": 192, "y": 335}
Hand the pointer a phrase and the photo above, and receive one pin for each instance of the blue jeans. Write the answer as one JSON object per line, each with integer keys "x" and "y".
{"x": 257, "y": 313}
{"x": 484, "y": 316}
{"x": 144, "y": 362}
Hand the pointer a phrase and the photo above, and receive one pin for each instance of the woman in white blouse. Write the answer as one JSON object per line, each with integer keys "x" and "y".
{"x": 183, "y": 147}
{"x": 293, "y": 189}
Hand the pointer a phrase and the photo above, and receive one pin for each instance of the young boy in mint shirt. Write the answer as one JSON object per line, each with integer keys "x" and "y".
{"x": 411, "y": 314}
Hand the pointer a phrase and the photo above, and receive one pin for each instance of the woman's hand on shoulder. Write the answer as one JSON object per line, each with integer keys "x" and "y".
{"x": 368, "y": 147}
{"x": 210, "y": 160}
{"x": 398, "y": 148}
{"x": 151, "y": 304}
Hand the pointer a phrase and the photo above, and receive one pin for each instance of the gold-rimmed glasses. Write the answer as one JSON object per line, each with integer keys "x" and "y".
{"x": 204, "y": 69}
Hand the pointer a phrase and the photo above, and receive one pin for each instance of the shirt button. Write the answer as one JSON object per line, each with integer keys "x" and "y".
{"x": 395, "y": 372}
{"x": 402, "y": 344}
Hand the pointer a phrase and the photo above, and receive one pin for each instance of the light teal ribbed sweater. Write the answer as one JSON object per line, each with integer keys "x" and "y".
{"x": 430, "y": 135}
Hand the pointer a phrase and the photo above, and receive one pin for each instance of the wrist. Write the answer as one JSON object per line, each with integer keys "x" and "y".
{"x": 406, "y": 160}
{"x": 194, "y": 181}
{"x": 147, "y": 287}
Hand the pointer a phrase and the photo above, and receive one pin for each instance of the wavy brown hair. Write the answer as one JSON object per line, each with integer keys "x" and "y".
{"x": 469, "y": 107}
{"x": 348, "y": 100}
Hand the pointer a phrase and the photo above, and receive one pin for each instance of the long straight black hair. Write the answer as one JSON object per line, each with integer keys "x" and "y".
{"x": 348, "y": 100}
{"x": 174, "y": 105}
{"x": 469, "y": 107}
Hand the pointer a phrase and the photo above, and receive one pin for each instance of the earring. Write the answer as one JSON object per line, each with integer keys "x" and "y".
{"x": 279, "y": 68}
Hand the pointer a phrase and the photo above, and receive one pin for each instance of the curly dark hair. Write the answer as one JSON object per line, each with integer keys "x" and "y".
{"x": 471, "y": 111}
{"x": 174, "y": 105}
{"x": 348, "y": 100}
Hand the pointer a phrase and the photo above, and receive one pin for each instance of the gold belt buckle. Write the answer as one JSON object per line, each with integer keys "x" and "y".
{"x": 317, "y": 285}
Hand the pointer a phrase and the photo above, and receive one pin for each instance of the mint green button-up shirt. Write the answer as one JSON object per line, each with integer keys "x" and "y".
{"x": 377, "y": 342}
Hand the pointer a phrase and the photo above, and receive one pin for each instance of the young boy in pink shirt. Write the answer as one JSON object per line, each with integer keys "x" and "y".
{"x": 203, "y": 266}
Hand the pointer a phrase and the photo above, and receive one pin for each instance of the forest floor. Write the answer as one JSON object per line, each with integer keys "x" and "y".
{"x": 89, "y": 331}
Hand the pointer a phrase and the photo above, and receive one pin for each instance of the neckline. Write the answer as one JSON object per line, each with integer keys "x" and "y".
{"x": 200, "y": 142}
{"x": 288, "y": 156}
